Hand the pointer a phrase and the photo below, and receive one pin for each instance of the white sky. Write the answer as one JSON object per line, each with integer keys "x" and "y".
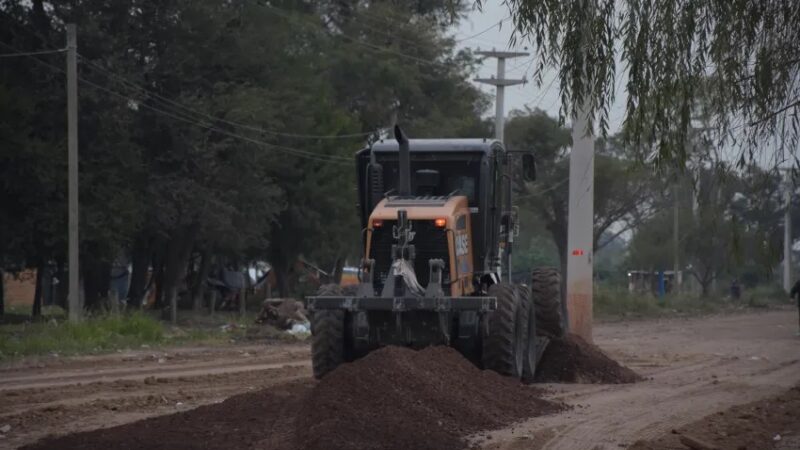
{"x": 529, "y": 94}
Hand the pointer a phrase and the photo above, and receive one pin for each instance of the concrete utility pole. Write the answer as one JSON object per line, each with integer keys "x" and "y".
{"x": 580, "y": 223}
{"x": 500, "y": 83}
{"x": 787, "y": 233}
{"x": 580, "y": 228}
{"x": 75, "y": 307}
{"x": 499, "y": 114}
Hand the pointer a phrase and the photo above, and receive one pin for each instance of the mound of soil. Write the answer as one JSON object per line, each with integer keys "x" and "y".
{"x": 398, "y": 398}
{"x": 572, "y": 360}
{"x": 393, "y": 398}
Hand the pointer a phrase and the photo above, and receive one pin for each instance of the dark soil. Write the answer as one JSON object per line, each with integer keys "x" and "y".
{"x": 393, "y": 398}
{"x": 572, "y": 360}
{"x": 764, "y": 424}
{"x": 397, "y": 398}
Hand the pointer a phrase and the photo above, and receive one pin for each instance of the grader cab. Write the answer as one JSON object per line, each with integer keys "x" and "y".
{"x": 438, "y": 227}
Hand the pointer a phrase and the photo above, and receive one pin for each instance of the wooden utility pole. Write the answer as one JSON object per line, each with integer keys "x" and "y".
{"x": 75, "y": 307}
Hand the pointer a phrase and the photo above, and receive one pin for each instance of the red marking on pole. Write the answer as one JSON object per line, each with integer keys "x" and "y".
{"x": 577, "y": 252}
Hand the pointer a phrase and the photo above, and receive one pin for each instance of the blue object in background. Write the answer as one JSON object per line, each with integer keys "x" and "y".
{"x": 662, "y": 288}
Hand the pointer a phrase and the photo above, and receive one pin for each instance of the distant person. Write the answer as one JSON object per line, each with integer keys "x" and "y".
{"x": 736, "y": 289}
{"x": 795, "y": 292}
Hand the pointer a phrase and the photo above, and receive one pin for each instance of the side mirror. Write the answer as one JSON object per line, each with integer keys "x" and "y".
{"x": 528, "y": 167}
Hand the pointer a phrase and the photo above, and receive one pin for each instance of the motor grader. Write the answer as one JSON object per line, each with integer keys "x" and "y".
{"x": 438, "y": 227}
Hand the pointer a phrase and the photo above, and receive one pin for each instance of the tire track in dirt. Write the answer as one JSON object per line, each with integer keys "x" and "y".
{"x": 114, "y": 389}
{"x": 694, "y": 368}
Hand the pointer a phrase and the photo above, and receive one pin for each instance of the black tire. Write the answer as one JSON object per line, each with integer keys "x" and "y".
{"x": 504, "y": 344}
{"x": 327, "y": 340}
{"x": 546, "y": 292}
{"x": 529, "y": 363}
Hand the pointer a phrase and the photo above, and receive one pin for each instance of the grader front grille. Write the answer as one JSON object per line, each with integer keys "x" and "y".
{"x": 430, "y": 242}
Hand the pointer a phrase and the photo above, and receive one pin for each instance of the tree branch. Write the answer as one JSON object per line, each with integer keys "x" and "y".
{"x": 775, "y": 113}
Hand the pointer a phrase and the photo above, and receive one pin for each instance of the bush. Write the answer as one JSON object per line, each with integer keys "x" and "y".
{"x": 618, "y": 302}
{"x": 766, "y": 295}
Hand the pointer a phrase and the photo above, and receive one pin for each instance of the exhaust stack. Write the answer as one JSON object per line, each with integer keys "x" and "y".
{"x": 404, "y": 182}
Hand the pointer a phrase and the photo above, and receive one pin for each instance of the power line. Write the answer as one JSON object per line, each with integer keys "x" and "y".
{"x": 481, "y": 33}
{"x": 544, "y": 92}
{"x": 289, "y": 150}
{"x": 181, "y": 106}
{"x": 293, "y": 151}
{"x": 544, "y": 191}
{"x": 41, "y": 52}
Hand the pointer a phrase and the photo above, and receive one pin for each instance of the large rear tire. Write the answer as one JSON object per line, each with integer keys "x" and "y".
{"x": 328, "y": 340}
{"x": 546, "y": 292}
{"x": 531, "y": 352}
{"x": 505, "y": 342}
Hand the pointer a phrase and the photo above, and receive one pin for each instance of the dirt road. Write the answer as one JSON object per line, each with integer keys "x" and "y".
{"x": 694, "y": 367}
{"x": 64, "y": 395}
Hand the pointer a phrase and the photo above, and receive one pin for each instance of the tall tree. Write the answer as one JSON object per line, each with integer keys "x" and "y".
{"x": 744, "y": 56}
{"x": 623, "y": 193}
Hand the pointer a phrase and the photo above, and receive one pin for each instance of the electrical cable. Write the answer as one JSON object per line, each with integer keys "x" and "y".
{"x": 288, "y": 150}
{"x": 131, "y": 84}
{"x": 41, "y": 52}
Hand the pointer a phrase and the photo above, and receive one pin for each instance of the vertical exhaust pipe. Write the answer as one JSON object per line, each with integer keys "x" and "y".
{"x": 404, "y": 181}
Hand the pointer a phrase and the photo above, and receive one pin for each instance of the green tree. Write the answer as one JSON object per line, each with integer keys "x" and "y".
{"x": 623, "y": 189}
{"x": 742, "y": 56}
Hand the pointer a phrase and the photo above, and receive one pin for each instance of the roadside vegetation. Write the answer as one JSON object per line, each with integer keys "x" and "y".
{"x": 615, "y": 303}
{"x": 107, "y": 332}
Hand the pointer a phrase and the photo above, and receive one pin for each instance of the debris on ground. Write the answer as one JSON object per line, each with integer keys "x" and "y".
{"x": 392, "y": 398}
{"x": 769, "y": 423}
{"x": 571, "y": 359}
{"x": 283, "y": 314}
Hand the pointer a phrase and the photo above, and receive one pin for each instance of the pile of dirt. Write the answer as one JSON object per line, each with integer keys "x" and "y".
{"x": 392, "y": 398}
{"x": 572, "y": 360}
{"x": 400, "y": 398}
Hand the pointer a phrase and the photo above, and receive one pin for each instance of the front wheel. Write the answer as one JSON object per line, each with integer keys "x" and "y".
{"x": 328, "y": 339}
{"x": 505, "y": 342}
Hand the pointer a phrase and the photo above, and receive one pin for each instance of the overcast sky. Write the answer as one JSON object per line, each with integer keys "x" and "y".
{"x": 517, "y": 97}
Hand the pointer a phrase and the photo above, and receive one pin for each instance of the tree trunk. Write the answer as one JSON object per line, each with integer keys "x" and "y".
{"x": 338, "y": 268}
{"x": 282, "y": 281}
{"x": 175, "y": 261}
{"x": 36, "y": 312}
{"x": 2, "y": 293}
{"x": 62, "y": 288}
{"x": 96, "y": 282}
{"x": 199, "y": 288}
{"x": 140, "y": 263}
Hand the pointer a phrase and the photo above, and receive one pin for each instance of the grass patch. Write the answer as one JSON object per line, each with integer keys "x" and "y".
{"x": 617, "y": 303}
{"x": 95, "y": 334}
{"x": 19, "y": 336}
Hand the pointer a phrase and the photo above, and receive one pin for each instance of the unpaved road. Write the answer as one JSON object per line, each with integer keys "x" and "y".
{"x": 694, "y": 367}
{"x": 64, "y": 395}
